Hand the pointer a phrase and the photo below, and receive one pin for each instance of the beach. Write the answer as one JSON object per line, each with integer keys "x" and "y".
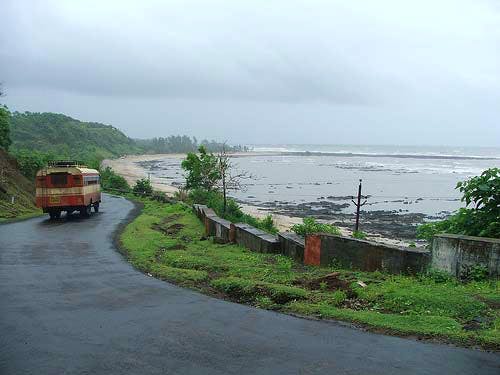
{"x": 402, "y": 187}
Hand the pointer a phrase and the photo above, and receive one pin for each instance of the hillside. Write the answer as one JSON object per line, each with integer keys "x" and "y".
{"x": 64, "y": 136}
{"x": 13, "y": 183}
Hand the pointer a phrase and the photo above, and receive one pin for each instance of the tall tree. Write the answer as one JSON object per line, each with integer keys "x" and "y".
{"x": 4, "y": 125}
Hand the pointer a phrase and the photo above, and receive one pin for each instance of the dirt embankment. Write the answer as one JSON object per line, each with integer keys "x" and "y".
{"x": 17, "y": 193}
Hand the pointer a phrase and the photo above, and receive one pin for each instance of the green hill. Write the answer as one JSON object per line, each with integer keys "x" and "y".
{"x": 64, "y": 136}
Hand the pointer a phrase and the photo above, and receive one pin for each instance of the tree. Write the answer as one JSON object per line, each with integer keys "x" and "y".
{"x": 143, "y": 187}
{"x": 5, "y": 140}
{"x": 202, "y": 170}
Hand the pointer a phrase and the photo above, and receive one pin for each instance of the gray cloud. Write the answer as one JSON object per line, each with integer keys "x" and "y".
{"x": 303, "y": 71}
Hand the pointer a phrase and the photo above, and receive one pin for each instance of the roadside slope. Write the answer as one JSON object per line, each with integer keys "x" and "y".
{"x": 14, "y": 184}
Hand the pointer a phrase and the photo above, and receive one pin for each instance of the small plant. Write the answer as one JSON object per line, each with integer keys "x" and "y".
{"x": 438, "y": 276}
{"x": 160, "y": 196}
{"x": 412, "y": 244}
{"x": 310, "y": 225}
{"x": 475, "y": 273}
{"x": 181, "y": 195}
{"x": 359, "y": 235}
{"x": 143, "y": 187}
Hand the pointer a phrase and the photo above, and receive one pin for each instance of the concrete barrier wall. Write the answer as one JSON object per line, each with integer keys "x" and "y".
{"x": 218, "y": 228}
{"x": 327, "y": 249}
{"x": 454, "y": 254}
{"x": 458, "y": 254}
{"x": 255, "y": 239}
{"x": 292, "y": 245}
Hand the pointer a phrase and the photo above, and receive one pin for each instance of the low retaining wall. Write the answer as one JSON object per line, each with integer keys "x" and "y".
{"x": 455, "y": 254}
{"x": 458, "y": 255}
{"x": 292, "y": 245}
{"x": 218, "y": 228}
{"x": 255, "y": 239}
{"x": 325, "y": 249}
{"x": 245, "y": 235}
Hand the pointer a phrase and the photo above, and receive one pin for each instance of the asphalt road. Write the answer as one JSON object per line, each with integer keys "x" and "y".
{"x": 70, "y": 304}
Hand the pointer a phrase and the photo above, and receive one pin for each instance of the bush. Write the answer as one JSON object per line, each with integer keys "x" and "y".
{"x": 359, "y": 235}
{"x": 310, "y": 225}
{"x": 483, "y": 193}
{"x": 143, "y": 187}
{"x": 112, "y": 181}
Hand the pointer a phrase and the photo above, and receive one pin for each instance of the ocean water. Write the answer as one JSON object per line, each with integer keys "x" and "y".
{"x": 401, "y": 178}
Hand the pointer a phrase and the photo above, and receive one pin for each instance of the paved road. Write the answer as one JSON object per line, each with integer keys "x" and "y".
{"x": 69, "y": 304}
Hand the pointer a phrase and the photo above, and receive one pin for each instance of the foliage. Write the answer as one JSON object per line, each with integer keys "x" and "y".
{"x": 143, "y": 187}
{"x": 233, "y": 212}
{"x": 112, "y": 181}
{"x": 475, "y": 273}
{"x": 5, "y": 140}
{"x": 483, "y": 219}
{"x": 360, "y": 235}
{"x": 67, "y": 138}
{"x": 30, "y": 161}
{"x": 438, "y": 276}
{"x": 181, "y": 144}
{"x": 400, "y": 304}
{"x": 202, "y": 171}
{"x": 310, "y": 225}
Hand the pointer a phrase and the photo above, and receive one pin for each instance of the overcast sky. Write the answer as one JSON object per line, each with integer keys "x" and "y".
{"x": 340, "y": 72}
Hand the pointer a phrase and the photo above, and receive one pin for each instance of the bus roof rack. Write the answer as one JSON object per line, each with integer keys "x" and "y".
{"x": 65, "y": 163}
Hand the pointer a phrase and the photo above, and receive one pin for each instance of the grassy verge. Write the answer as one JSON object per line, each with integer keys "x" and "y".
{"x": 166, "y": 240}
{"x": 21, "y": 216}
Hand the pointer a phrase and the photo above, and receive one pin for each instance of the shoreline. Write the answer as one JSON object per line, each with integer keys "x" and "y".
{"x": 129, "y": 168}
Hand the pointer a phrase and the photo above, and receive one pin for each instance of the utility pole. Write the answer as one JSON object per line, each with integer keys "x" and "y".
{"x": 358, "y": 205}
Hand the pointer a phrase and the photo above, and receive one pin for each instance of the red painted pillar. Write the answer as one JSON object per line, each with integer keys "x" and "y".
{"x": 312, "y": 251}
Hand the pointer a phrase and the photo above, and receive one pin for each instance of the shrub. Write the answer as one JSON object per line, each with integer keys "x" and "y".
{"x": 359, "y": 235}
{"x": 310, "y": 225}
{"x": 475, "y": 273}
{"x": 143, "y": 187}
{"x": 483, "y": 219}
{"x": 111, "y": 180}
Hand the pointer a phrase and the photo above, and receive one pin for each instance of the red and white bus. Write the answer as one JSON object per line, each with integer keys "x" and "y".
{"x": 67, "y": 186}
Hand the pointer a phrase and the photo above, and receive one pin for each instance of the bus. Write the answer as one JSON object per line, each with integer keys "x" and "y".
{"x": 67, "y": 185}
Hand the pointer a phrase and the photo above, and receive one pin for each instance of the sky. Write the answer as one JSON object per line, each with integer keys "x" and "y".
{"x": 310, "y": 72}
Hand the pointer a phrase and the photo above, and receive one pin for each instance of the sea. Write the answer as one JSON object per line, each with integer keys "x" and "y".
{"x": 405, "y": 179}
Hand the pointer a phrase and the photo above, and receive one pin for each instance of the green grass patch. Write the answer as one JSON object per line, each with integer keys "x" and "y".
{"x": 167, "y": 241}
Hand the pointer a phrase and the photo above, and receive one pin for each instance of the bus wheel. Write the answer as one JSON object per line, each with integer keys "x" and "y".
{"x": 54, "y": 215}
{"x": 96, "y": 207}
{"x": 85, "y": 211}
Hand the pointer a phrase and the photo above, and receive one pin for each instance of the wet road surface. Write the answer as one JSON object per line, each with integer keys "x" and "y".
{"x": 70, "y": 304}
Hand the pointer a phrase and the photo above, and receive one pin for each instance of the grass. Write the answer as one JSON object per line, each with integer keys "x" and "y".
{"x": 167, "y": 241}
{"x": 21, "y": 216}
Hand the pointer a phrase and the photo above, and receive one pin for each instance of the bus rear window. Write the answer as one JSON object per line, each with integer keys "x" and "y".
{"x": 59, "y": 179}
